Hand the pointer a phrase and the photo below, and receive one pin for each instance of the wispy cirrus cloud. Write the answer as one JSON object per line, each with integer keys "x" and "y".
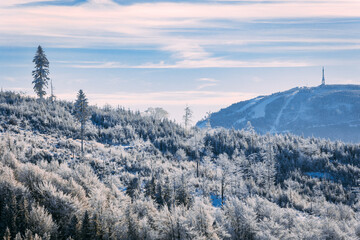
{"x": 206, "y": 85}
{"x": 9, "y": 79}
{"x": 198, "y": 63}
{"x": 210, "y": 80}
{"x": 206, "y": 82}
{"x": 13, "y": 3}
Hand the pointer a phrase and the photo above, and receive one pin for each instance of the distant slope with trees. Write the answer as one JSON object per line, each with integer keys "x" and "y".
{"x": 326, "y": 111}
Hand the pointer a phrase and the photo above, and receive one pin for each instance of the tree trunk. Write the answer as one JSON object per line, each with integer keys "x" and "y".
{"x": 82, "y": 138}
{"x": 197, "y": 167}
{"x": 222, "y": 190}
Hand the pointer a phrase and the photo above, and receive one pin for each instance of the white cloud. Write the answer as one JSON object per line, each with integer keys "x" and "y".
{"x": 205, "y": 85}
{"x": 156, "y": 98}
{"x": 257, "y": 79}
{"x": 9, "y": 79}
{"x": 10, "y": 3}
{"x": 211, "y": 80}
{"x": 202, "y": 63}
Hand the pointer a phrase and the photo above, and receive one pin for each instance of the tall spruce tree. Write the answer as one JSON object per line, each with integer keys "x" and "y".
{"x": 22, "y": 219}
{"x": 7, "y": 235}
{"x": 86, "y": 232}
{"x": 72, "y": 228}
{"x": 187, "y": 116}
{"x": 82, "y": 114}
{"x": 41, "y": 72}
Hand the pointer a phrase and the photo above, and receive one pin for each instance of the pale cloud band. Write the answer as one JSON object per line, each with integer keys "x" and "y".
{"x": 172, "y": 101}
{"x": 202, "y": 63}
{"x": 172, "y": 98}
{"x": 168, "y": 98}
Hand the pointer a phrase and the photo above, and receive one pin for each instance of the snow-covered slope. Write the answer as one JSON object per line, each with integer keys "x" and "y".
{"x": 330, "y": 111}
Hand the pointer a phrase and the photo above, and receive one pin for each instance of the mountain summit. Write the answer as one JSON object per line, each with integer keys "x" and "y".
{"x": 327, "y": 111}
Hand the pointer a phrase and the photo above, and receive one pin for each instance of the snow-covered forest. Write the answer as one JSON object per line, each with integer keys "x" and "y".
{"x": 148, "y": 178}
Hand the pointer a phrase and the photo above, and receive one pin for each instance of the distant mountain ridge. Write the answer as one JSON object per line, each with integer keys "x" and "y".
{"x": 326, "y": 111}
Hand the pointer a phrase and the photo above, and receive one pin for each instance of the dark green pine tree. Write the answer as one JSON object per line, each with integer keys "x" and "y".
{"x": 86, "y": 231}
{"x": 41, "y": 72}
{"x": 22, "y": 219}
{"x": 82, "y": 114}
{"x": 183, "y": 196}
{"x": 72, "y": 228}
{"x": 28, "y": 235}
{"x": 159, "y": 195}
{"x": 7, "y": 235}
{"x": 13, "y": 215}
{"x": 4, "y": 219}
{"x": 168, "y": 195}
{"x": 133, "y": 188}
{"x": 18, "y": 236}
{"x": 8, "y": 216}
{"x": 150, "y": 188}
{"x": 131, "y": 222}
{"x": 96, "y": 227}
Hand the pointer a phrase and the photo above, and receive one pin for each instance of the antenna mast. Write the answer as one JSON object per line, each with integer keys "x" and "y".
{"x": 323, "y": 77}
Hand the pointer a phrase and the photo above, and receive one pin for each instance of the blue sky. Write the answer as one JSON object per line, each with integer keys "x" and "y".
{"x": 208, "y": 54}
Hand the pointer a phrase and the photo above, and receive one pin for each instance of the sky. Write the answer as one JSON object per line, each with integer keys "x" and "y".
{"x": 206, "y": 54}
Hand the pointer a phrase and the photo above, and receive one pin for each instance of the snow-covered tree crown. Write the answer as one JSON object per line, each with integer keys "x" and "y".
{"x": 41, "y": 72}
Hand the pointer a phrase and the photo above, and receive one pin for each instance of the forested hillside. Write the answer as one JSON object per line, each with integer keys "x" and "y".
{"x": 148, "y": 178}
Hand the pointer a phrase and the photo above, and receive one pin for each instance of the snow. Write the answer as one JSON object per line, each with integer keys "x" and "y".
{"x": 240, "y": 120}
{"x": 251, "y": 102}
{"x": 277, "y": 120}
{"x": 259, "y": 110}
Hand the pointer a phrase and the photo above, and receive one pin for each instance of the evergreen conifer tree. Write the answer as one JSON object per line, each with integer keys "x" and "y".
{"x": 41, "y": 72}
{"x": 133, "y": 188}
{"x": 183, "y": 196}
{"x": 7, "y": 235}
{"x": 168, "y": 193}
{"x": 18, "y": 236}
{"x": 22, "y": 220}
{"x": 82, "y": 114}
{"x": 28, "y": 235}
{"x": 187, "y": 116}
{"x": 8, "y": 216}
{"x": 4, "y": 217}
{"x": 159, "y": 195}
{"x": 150, "y": 188}
{"x": 72, "y": 228}
{"x": 13, "y": 215}
{"x": 96, "y": 227}
{"x": 86, "y": 232}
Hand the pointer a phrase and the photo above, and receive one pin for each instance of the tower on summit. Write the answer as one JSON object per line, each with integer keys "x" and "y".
{"x": 323, "y": 77}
